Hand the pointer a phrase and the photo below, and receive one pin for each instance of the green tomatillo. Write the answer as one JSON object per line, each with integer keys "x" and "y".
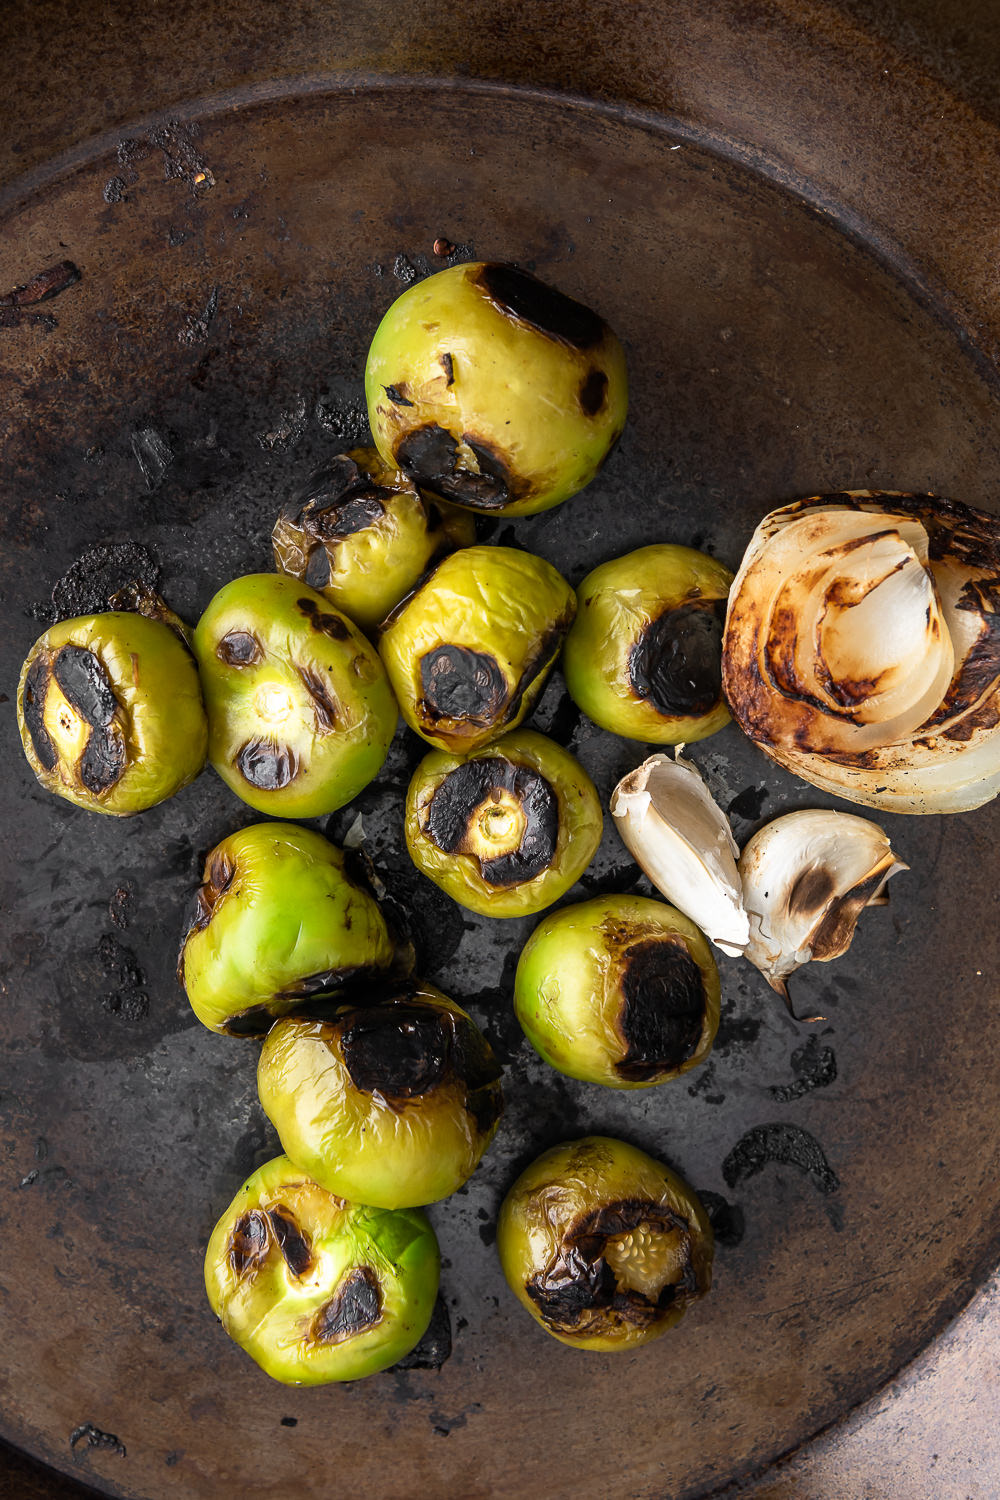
{"x": 605, "y": 1247}
{"x": 469, "y": 652}
{"x": 644, "y": 655}
{"x": 362, "y": 535}
{"x": 507, "y": 829}
{"x": 110, "y": 712}
{"x": 315, "y": 1288}
{"x": 620, "y": 990}
{"x": 395, "y": 1099}
{"x": 300, "y": 713}
{"x": 276, "y": 920}
{"x": 490, "y": 388}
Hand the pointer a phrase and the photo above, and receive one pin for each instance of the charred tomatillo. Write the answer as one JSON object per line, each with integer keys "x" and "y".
{"x": 620, "y": 990}
{"x": 605, "y": 1247}
{"x": 494, "y": 390}
{"x": 300, "y": 713}
{"x": 276, "y": 921}
{"x": 396, "y": 1098}
{"x": 507, "y": 829}
{"x": 110, "y": 712}
{"x": 315, "y": 1288}
{"x": 362, "y": 534}
{"x": 469, "y": 652}
{"x": 644, "y": 655}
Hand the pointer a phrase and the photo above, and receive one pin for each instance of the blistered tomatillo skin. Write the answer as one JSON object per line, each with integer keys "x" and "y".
{"x": 315, "y": 1288}
{"x": 300, "y": 714}
{"x": 276, "y": 921}
{"x": 491, "y": 389}
{"x": 605, "y": 1247}
{"x": 395, "y": 1099}
{"x": 644, "y": 655}
{"x": 506, "y": 830}
{"x": 110, "y": 712}
{"x": 620, "y": 990}
{"x": 362, "y": 534}
{"x": 470, "y": 651}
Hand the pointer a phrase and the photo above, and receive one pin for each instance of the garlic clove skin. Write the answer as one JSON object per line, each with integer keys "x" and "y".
{"x": 674, "y": 829}
{"x": 807, "y": 877}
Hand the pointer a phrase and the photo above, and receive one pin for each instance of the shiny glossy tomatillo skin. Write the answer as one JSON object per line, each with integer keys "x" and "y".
{"x": 315, "y": 1288}
{"x": 507, "y": 829}
{"x": 362, "y": 535}
{"x": 276, "y": 921}
{"x": 644, "y": 655}
{"x": 605, "y": 1247}
{"x": 491, "y": 389}
{"x": 300, "y": 713}
{"x": 396, "y": 1098}
{"x": 620, "y": 990}
{"x": 110, "y": 712}
{"x": 469, "y": 652}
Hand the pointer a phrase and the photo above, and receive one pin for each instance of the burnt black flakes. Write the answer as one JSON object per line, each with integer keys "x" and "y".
{"x": 787, "y": 1144}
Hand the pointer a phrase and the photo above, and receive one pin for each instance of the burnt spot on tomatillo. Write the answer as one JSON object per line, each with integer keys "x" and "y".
{"x": 339, "y": 499}
{"x": 240, "y": 648}
{"x": 333, "y": 625}
{"x": 81, "y": 722}
{"x": 323, "y": 702}
{"x": 218, "y": 877}
{"x": 663, "y": 1007}
{"x": 593, "y": 392}
{"x": 477, "y": 477}
{"x": 36, "y": 686}
{"x": 504, "y": 815}
{"x": 258, "y": 1233}
{"x": 676, "y": 664}
{"x": 405, "y": 1050}
{"x": 267, "y": 764}
{"x": 457, "y": 683}
{"x": 624, "y": 1263}
{"x": 520, "y": 295}
{"x": 355, "y": 1306}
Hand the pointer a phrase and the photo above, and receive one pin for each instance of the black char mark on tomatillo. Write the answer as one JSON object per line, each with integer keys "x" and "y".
{"x": 582, "y": 1282}
{"x": 290, "y": 1241}
{"x": 324, "y": 705}
{"x": 398, "y": 1051}
{"x": 248, "y": 1243}
{"x": 522, "y": 296}
{"x": 218, "y": 878}
{"x": 87, "y": 687}
{"x": 239, "y": 648}
{"x": 663, "y": 1008}
{"x": 338, "y": 500}
{"x": 355, "y": 1306}
{"x": 457, "y": 683}
{"x": 429, "y": 455}
{"x": 468, "y": 792}
{"x": 267, "y": 765}
{"x": 676, "y": 664}
{"x": 593, "y": 392}
{"x": 329, "y": 624}
{"x": 36, "y": 687}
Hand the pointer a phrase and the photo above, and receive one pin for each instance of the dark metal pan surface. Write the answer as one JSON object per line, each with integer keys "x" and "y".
{"x": 233, "y": 265}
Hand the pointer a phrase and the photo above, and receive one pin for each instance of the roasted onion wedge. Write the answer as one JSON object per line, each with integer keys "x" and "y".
{"x": 862, "y": 648}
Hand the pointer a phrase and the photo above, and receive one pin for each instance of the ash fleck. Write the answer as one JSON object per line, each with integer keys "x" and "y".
{"x": 114, "y": 189}
{"x": 128, "y": 1000}
{"x": 95, "y": 1438}
{"x": 404, "y": 270}
{"x": 153, "y": 454}
{"x": 288, "y": 429}
{"x": 120, "y": 906}
{"x": 705, "y": 1087}
{"x": 197, "y": 326}
{"x": 102, "y": 570}
{"x": 816, "y": 1068}
{"x": 786, "y": 1144}
{"x": 29, "y": 1178}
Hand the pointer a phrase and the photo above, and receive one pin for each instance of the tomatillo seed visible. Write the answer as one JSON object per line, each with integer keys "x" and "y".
{"x": 620, "y": 990}
{"x": 493, "y": 390}
{"x": 506, "y": 830}
{"x": 276, "y": 921}
{"x": 111, "y": 714}
{"x": 362, "y": 535}
{"x": 469, "y": 652}
{"x": 605, "y": 1247}
{"x": 396, "y": 1099}
{"x": 644, "y": 655}
{"x": 315, "y": 1288}
{"x": 300, "y": 712}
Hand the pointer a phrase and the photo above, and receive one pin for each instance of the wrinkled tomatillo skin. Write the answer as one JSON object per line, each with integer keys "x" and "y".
{"x": 506, "y": 830}
{"x": 469, "y": 652}
{"x": 300, "y": 713}
{"x": 276, "y": 921}
{"x": 605, "y": 1247}
{"x": 396, "y": 1099}
{"x": 315, "y": 1288}
{"x": 620, "y": 990}
{"x": 110, "y": 712}
{"x": 362, "y": 535}
{"x": 644, "y": 655}
{"x": 491, "y": 389}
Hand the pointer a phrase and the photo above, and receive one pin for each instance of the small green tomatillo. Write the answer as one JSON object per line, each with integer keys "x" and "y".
{"x": 620, "y": 990}
{"x": 604, "y": 1246}
{"x": 362, "y": 535}
{"x": 469, "y": 652}
{"x": 110, "y": 712}
{"x": 396, "y": 1098}
{"x": 494, "y": 390}
{"x": 507, "y": 829}
{"x": 315, "y": 1288}
{"x": 644, "y": 655}
{"x": 276, "y": 921}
